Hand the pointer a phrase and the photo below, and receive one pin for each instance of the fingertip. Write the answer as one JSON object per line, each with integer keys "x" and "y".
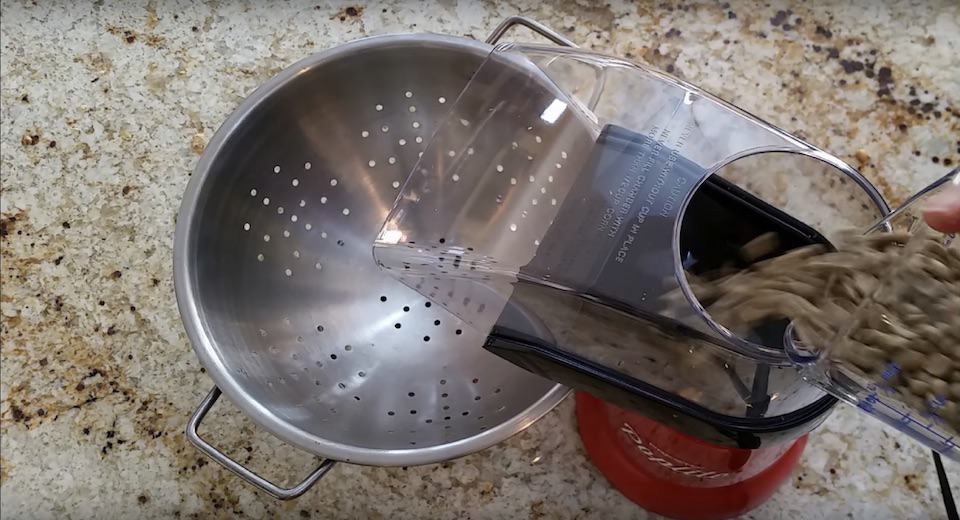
{"x": 942, "y": 211}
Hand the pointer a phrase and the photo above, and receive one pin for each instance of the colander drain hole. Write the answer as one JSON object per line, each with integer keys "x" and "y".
{"x": 384, "y": 159}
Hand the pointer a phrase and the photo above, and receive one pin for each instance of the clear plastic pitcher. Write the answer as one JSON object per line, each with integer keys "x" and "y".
{"x": 580, "y": 191}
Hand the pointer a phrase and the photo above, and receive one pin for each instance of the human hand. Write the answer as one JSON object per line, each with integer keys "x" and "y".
{"x": 942, "y": 211}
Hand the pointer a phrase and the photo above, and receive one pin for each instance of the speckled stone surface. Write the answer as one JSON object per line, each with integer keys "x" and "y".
{"x": 105, "y": 108}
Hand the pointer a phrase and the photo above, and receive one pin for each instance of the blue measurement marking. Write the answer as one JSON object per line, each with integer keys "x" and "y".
{"x": 906, "y": 419}
{"x": 938, "y": 401}
{"x": 890, "y": 371}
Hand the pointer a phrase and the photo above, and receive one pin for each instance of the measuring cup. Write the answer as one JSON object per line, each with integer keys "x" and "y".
{"x": 898, "y": 358}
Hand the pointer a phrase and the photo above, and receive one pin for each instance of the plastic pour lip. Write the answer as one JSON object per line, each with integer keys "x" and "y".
{"x": 795, "y": 349}
{"x": 558, "y": 185}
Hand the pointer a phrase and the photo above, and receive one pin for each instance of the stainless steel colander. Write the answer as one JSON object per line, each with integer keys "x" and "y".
{"x": 278, "y": 289}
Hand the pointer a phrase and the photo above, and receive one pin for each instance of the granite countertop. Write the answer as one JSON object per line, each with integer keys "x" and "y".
{"x": 106, "y": 107}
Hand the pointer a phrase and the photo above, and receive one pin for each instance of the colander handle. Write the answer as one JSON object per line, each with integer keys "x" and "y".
{"x": 240, "y": 470}
{"x": 533, "y": 25}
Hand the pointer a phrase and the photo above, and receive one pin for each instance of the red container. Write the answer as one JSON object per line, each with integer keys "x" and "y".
{"x": 676, "y": 475}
